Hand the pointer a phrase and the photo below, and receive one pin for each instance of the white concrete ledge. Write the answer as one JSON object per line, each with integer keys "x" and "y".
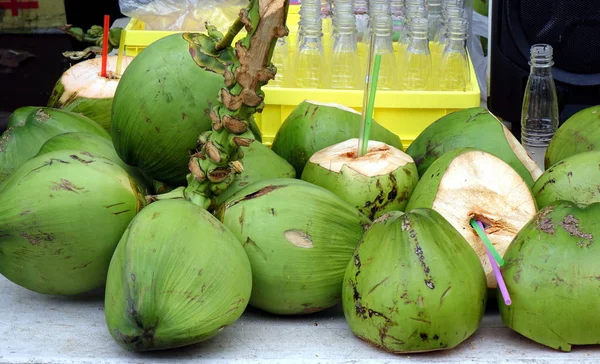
{"x": 42, "y": 329}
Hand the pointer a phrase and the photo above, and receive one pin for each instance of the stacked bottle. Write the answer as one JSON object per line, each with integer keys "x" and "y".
{"x": 417, "y": 65}
{"x": 381, "y": 36}
{"x": 422, "y": 44}
{"x": 309, "y": 61}
{"x": 347, "y": 72}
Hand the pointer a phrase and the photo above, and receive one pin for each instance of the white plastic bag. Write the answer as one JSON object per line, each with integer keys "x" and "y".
{"x": 479, "y": 29}
{"x": 189, "y": 15}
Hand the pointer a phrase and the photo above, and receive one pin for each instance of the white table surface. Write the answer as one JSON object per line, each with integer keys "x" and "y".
{"x": 36, "y": 328}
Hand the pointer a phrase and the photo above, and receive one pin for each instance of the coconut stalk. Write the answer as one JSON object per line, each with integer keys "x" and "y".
{"x": 216, "y": 161}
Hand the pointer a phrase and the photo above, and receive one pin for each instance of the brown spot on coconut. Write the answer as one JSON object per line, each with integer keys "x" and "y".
{"x": 382, "y": 180}
{"x": 467, "y": 184}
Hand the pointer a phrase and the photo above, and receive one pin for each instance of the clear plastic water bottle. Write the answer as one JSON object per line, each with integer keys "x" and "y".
{"x": 454, "y": 73}
{"x": 434, "y": 18}
{"x": 346, "y": 70}
{"x": 417, "y": 65}
{"x": 450, "y": 11}
{"x": 539, "y": 115}
{"x": 280, "y": 60}
{"x": 310, "y": 57}
{"x": 414, "y": 10}
{"x": 398, "y": 18}
{"x": 361, "y": 13}
{"x": 381, "y": 20}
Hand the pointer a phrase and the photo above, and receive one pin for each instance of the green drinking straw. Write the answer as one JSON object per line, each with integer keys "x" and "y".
{"x": 368, "y": 96}
{"x": 369, "y": 117}
{"x": 479, "y": 229}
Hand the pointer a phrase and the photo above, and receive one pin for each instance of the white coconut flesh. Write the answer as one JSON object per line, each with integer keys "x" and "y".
{"x": 333, "y": 104}
{"x": 84, "y": 80}
{"x": 482, "y": 186}
{"x": 380, "y": 158}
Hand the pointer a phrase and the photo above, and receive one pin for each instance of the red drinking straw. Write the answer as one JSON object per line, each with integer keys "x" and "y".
{"x": 105, "y": 45}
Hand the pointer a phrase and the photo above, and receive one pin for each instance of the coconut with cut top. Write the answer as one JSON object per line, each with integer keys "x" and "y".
{"x": 312, "y": 126}
{"x": 472, "y": 128}
{"x": 467, "y": 183}
{"x": 381, "y": 180}
{"x": 82, "y": 89}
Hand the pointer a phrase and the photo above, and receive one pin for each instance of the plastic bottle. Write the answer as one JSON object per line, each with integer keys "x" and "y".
{"x": 417, "y": 65}
{"x": 454, "y": 72}
{"x": 414, "y": 10}
{"x": 450, "y": 9}
{"x": 280, "y": 60}
{"x": 434, "y": 18}
{"x": 398, "y": 19}
{"x": 381, "y": 19}
{"x": 346, "y": 71}
{"x": 539, "y": 115}
{"x": 310, "y": 58}
{"x": 361, "y": 13}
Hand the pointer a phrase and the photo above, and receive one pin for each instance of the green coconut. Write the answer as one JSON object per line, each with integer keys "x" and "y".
{"x": 473, "y": 128}
{"x": 299, "y": 238}
{"x": 551, "y": 273}
{"x": 414, "y": 284}
{"x": 572, "y": 179}
{"x": 82, "y": 89}
{"x": 381, "y": 180}
{"x": 96, "y": 145}
{"x": 61, "y": 216}
{"x": 91, "y": 143}
{"x": 580, "y": 133}
{"x": 162, "y": 104}
{"x": 313, "y": 126}
{"x": 178, "y": 277}
{"x": 465, "y": 184}
{"x": 259, "y": 163}
{"x": 19, "y": 116}
{"x": 25, "y": 137}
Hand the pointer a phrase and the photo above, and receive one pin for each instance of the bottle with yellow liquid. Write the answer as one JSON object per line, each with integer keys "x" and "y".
{"x": 280, "y": 60}
{"x": 346, "y": 71}
{"x": 309, "y": 65}
{"x": 381, "y": 20}
{"x": 454, "y": 65}
{"x": 417, "y": 65}
{"x": 414, "y": 9}
{"x": 434, "y": 19}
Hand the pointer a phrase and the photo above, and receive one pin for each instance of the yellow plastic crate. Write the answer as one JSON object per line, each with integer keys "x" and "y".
{"x": 406, "y": 113}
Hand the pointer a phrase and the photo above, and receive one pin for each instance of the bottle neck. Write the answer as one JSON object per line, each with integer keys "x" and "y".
{"x": 420, "y": 43}
{"x": 361, "y": 6}
{"x": 435, "y": 9}
{"x": 457, "y": 39}
{"x": 544, "y": 71}
{"x": 346, "y": 31}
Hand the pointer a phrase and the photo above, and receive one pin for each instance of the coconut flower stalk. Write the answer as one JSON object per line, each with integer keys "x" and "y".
{"x": 217, "y": 157}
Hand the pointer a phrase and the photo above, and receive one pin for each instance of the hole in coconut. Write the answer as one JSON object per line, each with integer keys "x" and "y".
{"x": 487, "y": 223}
{"x": 110, "y": 75}
{"x": 371, "y": 152}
